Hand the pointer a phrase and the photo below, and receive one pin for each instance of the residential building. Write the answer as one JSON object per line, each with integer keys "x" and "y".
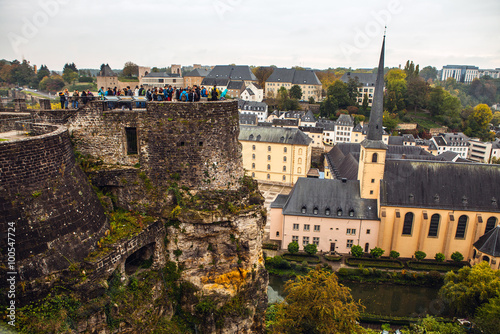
{"x": 483, "y": 151}
{"x": 275, "y": 155}
{"x": 343, "y": 129}
{"x": 248, "y": 119}
{"x": 455, "y": 142}
{"x": 308, "y": 119}
{"x": 162, "y": 79}
{"x": 222, "y": 75}
{"x": 404, "y": 140}
{"x": 461, "y": 73}
{"x": 305, "y": 79}
{"x": 328, "y": 213}
{"x": 316, "y": 135}
{"x": 108, "y": 78}
{"x": 235, "y": 88}
{"x": 495, "y": 74}
{"x": 366, "y": 85}
{"x": 328, "y": 130}
{"x": 253, "y": 93}
{"x": 260, "y": 109}
{"x": 195, "y": 77}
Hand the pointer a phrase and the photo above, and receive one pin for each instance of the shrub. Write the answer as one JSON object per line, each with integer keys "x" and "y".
{"x": 356, "y": 251}
{"x": 457, "y": 257}
{"x": 439, "y": 257}
{"x": 311, "y": 249}
{"x": 394, "y": 254}
{"x": 377, "y": 252}
{"x": 270, "y": 246}
{"x": 419, "y": 255}
{"x": 293, "y": 247}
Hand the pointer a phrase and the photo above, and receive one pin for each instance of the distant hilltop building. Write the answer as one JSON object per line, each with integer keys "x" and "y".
{"x": 495, "y": 74}
{"x": 305, "y": 79}
{"x": 461, "y": 73}
{"x": 367, "y": 84}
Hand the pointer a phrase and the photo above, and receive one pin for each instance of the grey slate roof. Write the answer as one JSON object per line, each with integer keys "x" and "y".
{"x": 285, "y": 122}
{"x": 326, "y": 125}
{"x": 249, "y": 91}
{"x": 441, "y": 185}
{"x": 489, "y": 243}
{"x": 399, "y": 140}
{"x": 106, "y": 71}
{"x": 344, "y": 120}
{"x": 236, "y": 72}
{"x": 366, "y": 79}
{"x": 308, "y": 117}
{"x": 252, "y": 105}
{"x": 294, "y": 114}
{"x": 273, "y": 135}
{"x": 162, "y": 75}
{"x": 280, "y": 201}
{"x": 197, "y": 72}
{"x": 448, "y": 156}
{"x": 236, "y": 85}
{"x": 248, "y": 119}
{"x": 311, "y": 129}
{"x": 295, "y": 77}
{"x": 329, "y": 194}
{"x": 215, "y": 81}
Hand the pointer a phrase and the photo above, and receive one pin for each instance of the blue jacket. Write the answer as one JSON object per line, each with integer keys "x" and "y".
{"x": 184, "y": 93}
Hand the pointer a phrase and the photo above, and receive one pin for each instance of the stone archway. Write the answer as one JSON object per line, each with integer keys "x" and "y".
{"x": 141, "y": 258}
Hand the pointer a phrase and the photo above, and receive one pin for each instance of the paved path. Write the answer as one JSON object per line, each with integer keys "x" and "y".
{"x": 270, "y": 192}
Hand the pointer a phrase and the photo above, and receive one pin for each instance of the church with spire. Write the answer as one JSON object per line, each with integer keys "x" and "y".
{"x": 393, "y": 197}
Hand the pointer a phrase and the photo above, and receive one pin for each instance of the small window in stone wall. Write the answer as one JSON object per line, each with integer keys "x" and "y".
{"x": 131, "y": 134}
{"x": 200, "y": 143}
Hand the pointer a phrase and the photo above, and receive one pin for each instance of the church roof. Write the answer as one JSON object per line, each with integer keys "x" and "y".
{"x": 489, "y": 243}
{"x": 273, "y": 135}
{"x": 441, "y": 185}
{"x": 311, "y": 193}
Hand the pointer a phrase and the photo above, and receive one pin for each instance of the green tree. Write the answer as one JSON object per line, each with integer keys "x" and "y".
{"x": 377, "y": 252}
{"x": 488, "y": 316}
{"x": 390, "y": 121}
{"x": 457, "y": 256}
{"x": 394, "y": 254}
{"x": 22, "y": 73}
{"x": 470, "y": 288}
{"x": 293, "y": 247}
{"x": 296, "y": 92}
{"x": 419, "y": 255}
{"x": 430, "y": 325}
{"x": 356, "y": 251}
{"x": 70, "y": 67}
{"x": 352, "y": 91}
{"x": 311, "y": 249}
{"x": 439, "y": 257}
{"x": 436, "y": 100}
{"x": 429, "y": 73}
{"x": 130, "y": 69}
{"x": 482, "y": 115}
{"x": 42, "y": 73}
{"x": 411, "y": 70}
{"x": 417, "y": 92}
{"x": 495, "y": 120}
{"x": 310, "y": 309}
{"x": 364, "y": 105}
{"x": 53, "y": 83}
{"x": 311, "y": 100}
{"x": 70, "y": 76}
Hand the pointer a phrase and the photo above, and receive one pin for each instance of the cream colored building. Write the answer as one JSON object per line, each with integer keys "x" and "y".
{"x": 359, "y": 132}
{"x": 305, "y": 79}
{"x": 275, "y": 155}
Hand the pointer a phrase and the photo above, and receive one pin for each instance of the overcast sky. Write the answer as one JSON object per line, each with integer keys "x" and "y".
{"x": 314, "y": 33}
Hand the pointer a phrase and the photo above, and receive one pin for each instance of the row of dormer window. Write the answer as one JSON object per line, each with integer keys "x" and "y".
{"x": 327, "y": 211}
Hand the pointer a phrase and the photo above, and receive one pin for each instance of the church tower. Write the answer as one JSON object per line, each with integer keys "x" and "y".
{"x": 373, "y": 150}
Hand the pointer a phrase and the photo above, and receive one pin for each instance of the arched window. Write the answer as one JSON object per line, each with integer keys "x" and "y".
{"x": 367, "y": 247}
{"x": 284, "y": 149}
{"x": 374, "y": 157}
{"x": 434, "y": 225}
{"x": 253, "y": 166}
{"x": 284, "y": 168}
{"x": 300, "y": 161}
{"x": 268, "y": 167}
{"x": 253, "y": 147}
{"x": 300, "y": 151}
{"x": 251, "y": 138}
{"x": 253, "y": 174}
{"x": 268, "y": 176}
{"x": 268, "y": 158}
{"x": 303, "y": 210}
{"x": 461, "y": 227}
{"x": 253, "y": 156}
{"x": 284, "y": 177}
{"x": 490, "y": 224}
{"x": 269, "y": 148}
{"x": 299, "y": 170}
{"x": 284, "y": 159}
{"x": 408, "y": 223}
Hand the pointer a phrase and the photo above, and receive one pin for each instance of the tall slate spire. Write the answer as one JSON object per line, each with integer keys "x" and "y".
{"x": 375, "y": 129}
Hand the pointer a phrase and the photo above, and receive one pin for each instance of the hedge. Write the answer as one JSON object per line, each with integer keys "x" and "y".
{"x": 434, "y": 265}
{"x": 332, "y": 257}
{"x": 301, "y": 257}
{"x": 270, "y": 246}
{"x": 379, "y": 263}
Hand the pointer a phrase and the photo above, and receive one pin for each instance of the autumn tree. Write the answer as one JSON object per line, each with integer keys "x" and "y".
{"x": 411, "y": 70}
{"x": 51, "y": 83}
{"x": 417, "y": 92}
{"x": 262, "y": 73}
{"x": 488, "y": 316}
{"x": 470, "y": 288}
{"x": 396, "y": 87}
{"x": 317, "y": 303}
{"x": 477, "y": 123}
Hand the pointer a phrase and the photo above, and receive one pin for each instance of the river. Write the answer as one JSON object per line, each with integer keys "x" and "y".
{"x": 383, "y": 299}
